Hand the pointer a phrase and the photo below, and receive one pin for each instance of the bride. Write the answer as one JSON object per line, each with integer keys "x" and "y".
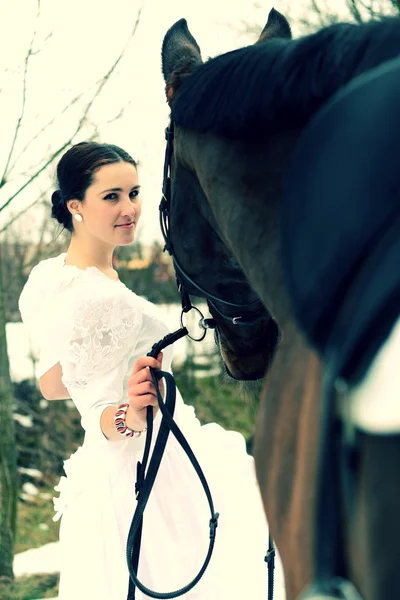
{"x": 94, "y": 334}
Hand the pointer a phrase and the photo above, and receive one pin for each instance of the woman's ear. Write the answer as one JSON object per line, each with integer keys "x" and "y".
{"x": 73, "y": 206}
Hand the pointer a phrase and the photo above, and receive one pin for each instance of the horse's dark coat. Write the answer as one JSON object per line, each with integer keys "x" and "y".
{"x": 275, "y": 87}
{"x": 232, "y": 95}
{"x": 341, "y": 214}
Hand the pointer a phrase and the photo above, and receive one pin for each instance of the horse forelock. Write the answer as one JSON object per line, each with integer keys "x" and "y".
{"x": 248, "y": 92}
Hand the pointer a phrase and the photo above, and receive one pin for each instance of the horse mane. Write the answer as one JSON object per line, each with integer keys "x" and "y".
{"x": 282, "y": 82}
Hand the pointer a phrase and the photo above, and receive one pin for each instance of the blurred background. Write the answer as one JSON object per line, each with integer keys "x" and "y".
{"x": 85, "y": 70}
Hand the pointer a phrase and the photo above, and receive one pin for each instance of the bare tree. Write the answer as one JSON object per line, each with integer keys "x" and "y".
{"x": 311, "y": 15}
{"x": 36, "y": 173}
{"x": 82, "y": 123}
{"x": 364, "y": 10}
{"x": 25, "y": 244}
{"x": 8, "y": 458}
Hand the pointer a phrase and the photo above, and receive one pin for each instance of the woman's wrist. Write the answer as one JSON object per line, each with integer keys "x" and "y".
{"x": 122, "y": 423}
{"x": 133, "y": 420}
{"x": 107, "y": 424}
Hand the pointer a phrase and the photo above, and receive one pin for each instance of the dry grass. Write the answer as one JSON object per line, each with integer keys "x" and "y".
{"x": 35, "y": 526}
{"x": 41, "y": 585}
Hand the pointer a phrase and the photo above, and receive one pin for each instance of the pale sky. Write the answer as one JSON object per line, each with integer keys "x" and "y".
{"x": 87, "y": 36}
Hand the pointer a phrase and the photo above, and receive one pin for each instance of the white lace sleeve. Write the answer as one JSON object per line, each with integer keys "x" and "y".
{"x": 100, "y": 335}
{"x": 102, "y": 329}
{"x": 36, "y": 305}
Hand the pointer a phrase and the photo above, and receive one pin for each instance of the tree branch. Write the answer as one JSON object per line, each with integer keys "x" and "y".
{"x": 355, "y": 13}
{"x": 38, "y": 133}
{"x": 21, "y": 116}
{"x": 18, "y": 215}
{"x": 13, "y": 71}
{"x": 38, "y": 172}
{"x": 396, "y": 4}
{"x": 81, "y": 122}
{"x": 324, "y": 16}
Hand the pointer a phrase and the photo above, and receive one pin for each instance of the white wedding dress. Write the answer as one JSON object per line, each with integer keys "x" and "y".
{"x": 96, "y": 328}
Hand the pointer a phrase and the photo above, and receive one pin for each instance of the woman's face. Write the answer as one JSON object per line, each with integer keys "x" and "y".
{"x": 111, "y": 207}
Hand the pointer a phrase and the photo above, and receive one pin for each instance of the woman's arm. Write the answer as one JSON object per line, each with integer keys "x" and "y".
{"x": 141, "y": 394}
{"x": 51, "y": 385}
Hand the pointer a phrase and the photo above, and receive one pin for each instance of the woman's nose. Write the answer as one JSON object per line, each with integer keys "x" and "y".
{"x": 128, "y": 208}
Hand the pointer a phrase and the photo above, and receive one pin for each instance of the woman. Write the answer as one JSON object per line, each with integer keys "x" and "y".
{"x": 94, "y": 335}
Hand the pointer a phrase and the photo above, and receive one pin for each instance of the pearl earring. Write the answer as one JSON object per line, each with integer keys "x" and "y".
{"x": 77, "y": 217}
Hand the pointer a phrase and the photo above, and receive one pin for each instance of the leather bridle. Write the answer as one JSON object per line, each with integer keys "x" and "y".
{"x": 239, "y": 314}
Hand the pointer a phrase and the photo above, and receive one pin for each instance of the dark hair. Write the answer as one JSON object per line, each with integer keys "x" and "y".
{"x": 75, "y": 173}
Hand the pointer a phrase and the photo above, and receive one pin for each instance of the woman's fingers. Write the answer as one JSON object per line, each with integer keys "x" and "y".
{"x": 143, "y": 376}
{"x": 137, "y": 391}
{"x": 146, "y": 388}
{"x": 141, "y": 372}
{"x": 141, "y": 388}
{"x": 147, "y": 361}
{"x": 136, "y": 418}
{"x": 143, "y": 401}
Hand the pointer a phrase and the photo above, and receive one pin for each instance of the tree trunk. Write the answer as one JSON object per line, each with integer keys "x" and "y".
{"x": 8, "y": 454}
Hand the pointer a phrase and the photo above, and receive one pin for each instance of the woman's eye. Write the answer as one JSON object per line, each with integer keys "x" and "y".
{"x": 114, "y": 196}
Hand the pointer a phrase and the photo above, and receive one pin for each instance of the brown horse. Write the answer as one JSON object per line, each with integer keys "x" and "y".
{"x": 237, "y": 120}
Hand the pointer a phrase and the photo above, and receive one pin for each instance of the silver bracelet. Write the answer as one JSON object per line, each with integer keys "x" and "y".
{"x": 120, "y": 422}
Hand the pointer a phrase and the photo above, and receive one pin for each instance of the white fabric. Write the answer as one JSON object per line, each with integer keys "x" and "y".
{"x": 37, "y": 305}
{"x": 97, "y": 331}
{"x": 374, "y": 405}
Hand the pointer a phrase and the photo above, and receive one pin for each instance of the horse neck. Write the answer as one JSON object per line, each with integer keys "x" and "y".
{"x": 262, "y": 266}
{"x": 243, "y": 183}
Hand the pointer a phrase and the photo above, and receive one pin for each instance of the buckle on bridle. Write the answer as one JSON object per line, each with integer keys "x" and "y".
{"x": 208, "y": 323}
{"x": 235, "y": 320}
{"x": 213, "y": 525}
{"x": 270, "y": 556}
{"x": 169, "y": 133}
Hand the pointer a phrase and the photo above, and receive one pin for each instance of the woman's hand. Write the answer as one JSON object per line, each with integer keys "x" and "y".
{"x": 142, "y": 392}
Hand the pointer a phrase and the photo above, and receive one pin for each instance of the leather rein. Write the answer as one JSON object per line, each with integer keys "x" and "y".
{"x": 147, "y": 469}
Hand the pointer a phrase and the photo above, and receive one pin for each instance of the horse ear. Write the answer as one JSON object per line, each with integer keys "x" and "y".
{"x": 277, "y": 27}
{"x": 180, "y": 54}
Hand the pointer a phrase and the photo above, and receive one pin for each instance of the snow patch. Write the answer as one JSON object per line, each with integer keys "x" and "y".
{"x": 24, "y": 420}
{"x": 30, "y": 489}
{"x": 35, "y": 473}
{"x": 45, "y": 559}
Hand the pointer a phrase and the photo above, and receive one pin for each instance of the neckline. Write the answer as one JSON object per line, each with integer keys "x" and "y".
{"x": 87, "y": 269}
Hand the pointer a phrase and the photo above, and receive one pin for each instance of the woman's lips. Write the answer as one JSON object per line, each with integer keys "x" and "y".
{"x": 127, "y": 226}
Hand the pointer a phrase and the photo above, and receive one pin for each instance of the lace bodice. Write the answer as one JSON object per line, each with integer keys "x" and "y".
{"x": 85, "y": 320}
{"x": 95, "y": 327}
{"x": 102, "y": 327}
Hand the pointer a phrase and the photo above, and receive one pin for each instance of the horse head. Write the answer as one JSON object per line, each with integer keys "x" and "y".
{"x": 245, "y": 332}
